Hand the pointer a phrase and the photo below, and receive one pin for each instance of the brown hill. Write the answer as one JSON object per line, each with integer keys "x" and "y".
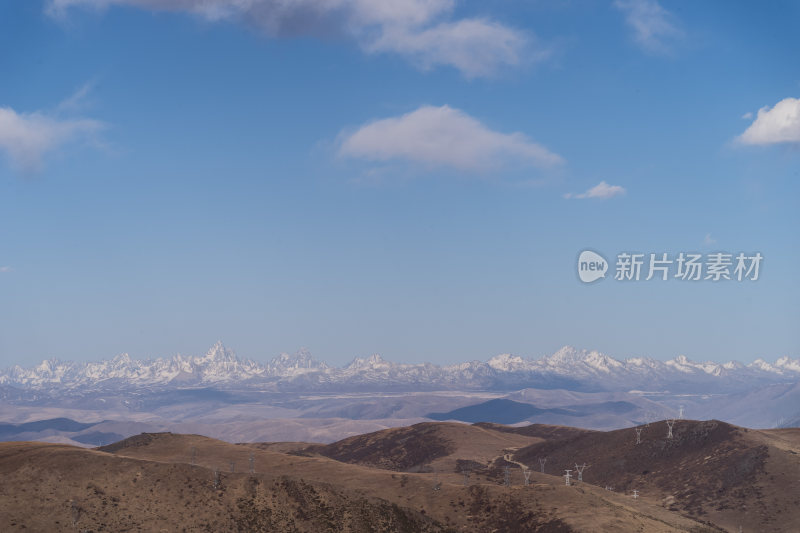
{"x": 710, "y": 470}
{"x": 543, "y": 431}
{"x": 147, "y": 484}
{"x": 428, "y": 446}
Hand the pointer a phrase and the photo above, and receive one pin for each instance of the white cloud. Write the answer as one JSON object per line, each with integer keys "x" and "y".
{"x": 77, "y": 100}
{"x": 4, "y": 269}
{"x": 600, "y": 191}
{"x": 747, "y": 116}
{"x": 443, "y": 137}
{"x": 423, "y": 31}
{"x": 708, "y": 240}
{"x": 654, "y": 27}
{"x": 475, "y": 47}
{"x": 27, "y": 137}
{"x": 780, "y": 124}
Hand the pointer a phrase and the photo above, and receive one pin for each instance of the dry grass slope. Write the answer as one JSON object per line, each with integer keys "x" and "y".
{"x": 146, "y": 483}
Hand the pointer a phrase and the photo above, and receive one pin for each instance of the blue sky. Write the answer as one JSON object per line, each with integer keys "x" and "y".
{"x": 413, "y": 178}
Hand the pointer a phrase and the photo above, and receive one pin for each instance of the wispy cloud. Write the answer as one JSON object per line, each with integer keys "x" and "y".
{"x": 708, "y": 240}
{"x": 600, "y": 191}
{"x": 423, "y": 31}
{"x": 654, "y": 28}
{"x": 443, "y": 137}
{"x": 26, "y": 138}
{"x": 776, "y": 125}
{"x": 4, "y": 269}
{"x": 77, "y": 100}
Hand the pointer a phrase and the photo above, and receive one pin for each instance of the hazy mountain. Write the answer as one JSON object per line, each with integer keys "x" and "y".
{"x": 568, "y": 368}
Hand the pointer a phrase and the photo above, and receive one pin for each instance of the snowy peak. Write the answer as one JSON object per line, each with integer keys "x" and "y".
{"x": 565, "y": 355}
{"x": 219, "y": 354}
{"x": 373, "y": 362}
{"x": 299, "y": 362}
{"x": 787, "y": 363}
{"x": 506, "y": 362}
{"x": 590, "y": 370}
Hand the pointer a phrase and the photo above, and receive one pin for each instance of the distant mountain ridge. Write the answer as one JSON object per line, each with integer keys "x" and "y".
{"x": 567, "y": 368}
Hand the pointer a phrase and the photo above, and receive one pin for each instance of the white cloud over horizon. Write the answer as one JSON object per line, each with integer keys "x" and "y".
{"x": 422, "y": 31}
{"x": 443, "y": 137}
{"x": 26, "y": 138}
{"x": 776, "y": 125}
{"x": 654, "y": 28}
{"x": 600, "y": 191}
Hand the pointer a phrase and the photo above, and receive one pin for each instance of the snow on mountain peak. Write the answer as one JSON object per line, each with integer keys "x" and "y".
{"x": 505, "y": 362}
{"x": 219, "y": 353}
{"x": 788, "y": 363}
{"x": 221, "y": 366}
{"x": 373, "y": 362}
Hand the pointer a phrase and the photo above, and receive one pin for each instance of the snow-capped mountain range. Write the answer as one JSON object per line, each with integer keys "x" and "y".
{"x": 567, "y": 368}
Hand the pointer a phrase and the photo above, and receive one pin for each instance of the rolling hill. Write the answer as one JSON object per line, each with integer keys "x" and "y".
{"x": 158, "y": 482}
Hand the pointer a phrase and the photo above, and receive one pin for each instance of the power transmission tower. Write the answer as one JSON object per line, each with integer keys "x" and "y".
{"x": 527, "y": 474}
{"x": 567, "y": 476}
{"x": 194, "y": 456}
{"x": 252, "y": 464}
{"x": 670, "y": 423}
{"x": 216, "y": 479}
{"x": 635, "y": 493}
{"x": 680, "y": 413}
{"x": 580, "y": 469}
{"x": 638, "y": 435}
{"x": 506, "y": 476}
{"x": 542, "y": 461}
